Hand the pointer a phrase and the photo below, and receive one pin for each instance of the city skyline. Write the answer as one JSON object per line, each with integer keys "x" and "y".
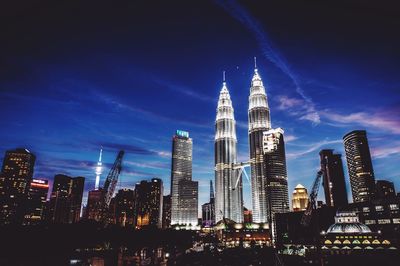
{"x": 121, "y": 95}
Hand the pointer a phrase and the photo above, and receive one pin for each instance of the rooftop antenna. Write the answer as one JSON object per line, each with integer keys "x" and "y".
{"x": 255, "y": 63}
{"x": 223, "y": 76}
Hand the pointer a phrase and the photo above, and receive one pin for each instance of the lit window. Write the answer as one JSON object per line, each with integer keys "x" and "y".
{"x": 394, "y": 206}
{"x": 379, "y": 208}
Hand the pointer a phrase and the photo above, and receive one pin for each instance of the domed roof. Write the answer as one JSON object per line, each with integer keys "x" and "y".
{"x": 347, "y": 223}
{"x": 347, "y": 228}
{"x": 299, "y": 186}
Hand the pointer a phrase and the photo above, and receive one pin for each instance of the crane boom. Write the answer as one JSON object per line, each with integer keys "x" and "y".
{"x": 112, "y": 178}
{"x": 306, "y": 218}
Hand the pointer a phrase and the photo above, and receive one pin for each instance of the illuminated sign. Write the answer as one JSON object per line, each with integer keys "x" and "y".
{"x": 38, "y": 181}
{"x": 182, "y": 133}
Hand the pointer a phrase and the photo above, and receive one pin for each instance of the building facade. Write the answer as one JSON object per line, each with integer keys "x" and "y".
{"x": 95, "y": 205}
{"x": 188, "y": 202}
{"x": 359, "y": 164}
{"x": 384, "y": 189}
{"x": 333, "y": 179}
{"x": 66, "y": 199}
{"x": 208, "y": 209}
{"x": 149, "y": 203}
{"x": 15, "y": 178}
{"x": 299, "y": 198}
{"x": 166, "y": 216}
{"x": 259, "y": 121}
{"x": 228, "y": 184}
{"x": 37, "y": 196}
{"x": 124, "y": 208}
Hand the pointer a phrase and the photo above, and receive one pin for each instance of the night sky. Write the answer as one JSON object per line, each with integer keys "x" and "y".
{"x": 78, "y": 75}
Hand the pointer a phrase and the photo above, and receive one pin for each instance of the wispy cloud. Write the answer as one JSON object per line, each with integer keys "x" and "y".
{"x": 290, "y": 138}
{"x": 311, "y": 148}
{"x": 383, "y": 152}
{"x": 383, "y": 120}
{"x": 184, "y": 90}
{"x": 298, "y": 107}
{"x": 270, "y": 52}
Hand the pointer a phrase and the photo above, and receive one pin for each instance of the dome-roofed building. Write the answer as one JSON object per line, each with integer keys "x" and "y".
{"x": 299, "y": 198}
{"x": 347, "y": 235}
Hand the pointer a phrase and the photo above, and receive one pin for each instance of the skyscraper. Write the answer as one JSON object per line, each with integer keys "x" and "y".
{"x": 188, "y": 202}
{"x": 181, "y": 170}
{"x": 95, "y": 205}
{"x": 229, "y": 196}
{"x": 166, "y": 216}
{"x": 276, "y": 175}
{"x": 359, "y": 163}
{"x": 299, "y": 198}
{"x": 333, "y": 179}
{"x": 66, "y": 199}
{"x": 208, "y": 209}
{"x": 15, "y": 177}
{"x": 259, "y": 121}
{"x": 149, "y": 203}
{"x": 37, "y": 197}
{"x": 124, "y": 207}
{"x": 98, "y": 171}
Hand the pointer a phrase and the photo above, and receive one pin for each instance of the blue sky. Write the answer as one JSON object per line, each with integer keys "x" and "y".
{"x": 74, "y": 77}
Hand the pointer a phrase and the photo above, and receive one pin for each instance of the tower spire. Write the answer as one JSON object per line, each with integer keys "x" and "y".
{"x": 98, "y": 170}
{"x": 223, "y": 76}
{"x": 211, "y": 191}
{"x": 255, "y": 63}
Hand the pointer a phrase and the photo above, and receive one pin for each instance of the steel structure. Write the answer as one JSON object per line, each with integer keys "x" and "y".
{"x": 112, "y": 179}
{"x": 306, "y": 218}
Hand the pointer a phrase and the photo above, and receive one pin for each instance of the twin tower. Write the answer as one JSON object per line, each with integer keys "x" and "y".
{"x": 267, "y": 160}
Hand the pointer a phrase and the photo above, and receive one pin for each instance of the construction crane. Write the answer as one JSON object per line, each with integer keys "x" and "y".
{"x": 112, "y": 179}
{"x": 306, "y": 218}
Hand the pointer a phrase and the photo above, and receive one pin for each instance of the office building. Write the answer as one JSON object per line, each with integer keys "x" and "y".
{"x": 333, "y": 179}
{"x": 188, "y": 202}
{"x": 124, "y": 208}
{"x": 359, "y": 164}
{"x": 166, "y": 216}
{"x": 299, "y": 198}
{"x": 95, "y": 205}
{"x": 149, "y": 203}
{"x": 15, "y": 178}
{"x": 208, "y": 209}
{"x": 66, "y": 199}
{"x": 37, "y": 197}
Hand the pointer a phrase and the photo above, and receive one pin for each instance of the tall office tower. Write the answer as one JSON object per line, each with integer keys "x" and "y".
{"x": 149, "y": 203}
{"x": 259, "y": 121}
{"x": 208, "y": 209}
{"x": 385, "y": 189}
{"x": 276, "y": 175}
{"x": 181, "y": 169}
{"x": 359, "y": 163}
{"x": 37, "y": 196}
{"x": 15, "y": 177}
{"x": 98, "y": 171}
{"x": 333, "y": 179}
{"x": 166, "y": 216}
{"x": 94, "y": 207}
{"x": 124, "y": 207}
{"x": 299, "y": 198}
{"x": 66, "y": 199}
{"x": 229, "y": 196}
{"x": 188, "y": 202}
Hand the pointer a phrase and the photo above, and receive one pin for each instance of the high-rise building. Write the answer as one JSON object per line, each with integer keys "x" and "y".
{"x": 66, "y": 199}
{"x": 276, "y": 175}
{"x": 385, "y": 189}
{"x": 299, "y": 198}
{"x": 359, "y": 164}
{"x": 15, "y": 177}
{"x": 37, "y": 197}
{"x": 166, "y": 216}
{"x": 208, "y": 209}
{"x": 149, "y": 203}
{"x": 124, "y": 207}
{"x": 188, "y": 202}
{"x": 259, "y": 121}
{"x": 228, "y": 184}
{"x": 95, "y": 205}
{"x": 333, "y": 179}
{"x": 181, "y": 170}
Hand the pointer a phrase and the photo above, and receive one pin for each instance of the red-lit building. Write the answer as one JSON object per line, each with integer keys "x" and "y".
{"x": 37, "y": 197}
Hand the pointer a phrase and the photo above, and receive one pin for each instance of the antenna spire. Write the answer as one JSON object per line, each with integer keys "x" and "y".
{"x": 223, "y": 76}
{"x": 255, "y": 63}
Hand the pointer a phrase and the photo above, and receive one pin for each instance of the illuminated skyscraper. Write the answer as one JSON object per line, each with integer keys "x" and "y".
{"x": 359, "y": 164}
{"x": 181, "y": 170}
{"x": 15, "y": 178}
{"x": 149, "y": 203}
{"x": 95, "y": 205}
{"x": 208, "y": 209}
{"x": 188, "y": 202}
{"x": 98, "y": 171}
{"x": 333, "y": 179}
{"x": 228, "y": 189}
{"x": 66, "y": 199}
{"x": 37, "y": 197}
{"x": 124, "y": 208}
{"x": 259, "y": 121}
{"x": 299, "y": 198}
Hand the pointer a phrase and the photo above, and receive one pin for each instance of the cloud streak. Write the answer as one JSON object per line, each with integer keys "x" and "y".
{"x": 311, "y": 148}
{"x": 270, "y": 53}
